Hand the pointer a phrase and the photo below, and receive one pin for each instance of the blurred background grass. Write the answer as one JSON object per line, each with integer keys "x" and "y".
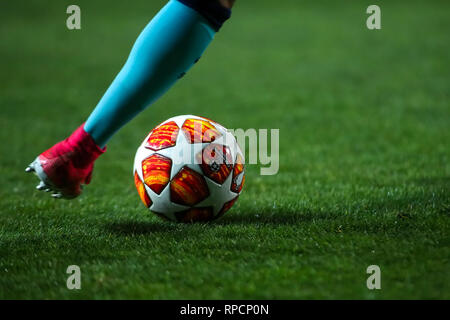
{"x": 364, "y": 159}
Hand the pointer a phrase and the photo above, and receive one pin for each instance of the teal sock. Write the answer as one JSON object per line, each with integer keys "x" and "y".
{"x": 168, "y": 46}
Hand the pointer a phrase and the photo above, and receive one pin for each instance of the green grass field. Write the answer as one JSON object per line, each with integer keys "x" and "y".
{"x": 364, "y": 178}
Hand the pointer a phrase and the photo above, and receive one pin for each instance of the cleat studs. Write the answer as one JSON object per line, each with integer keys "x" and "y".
{"x": 41, "y": 186}
{"x": 29, "y": 169}
{"x": 47, "y": 189}
{"x": 57, "y": 195}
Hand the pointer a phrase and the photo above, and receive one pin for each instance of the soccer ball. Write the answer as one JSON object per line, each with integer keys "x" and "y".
{"x": 189, "y": 169}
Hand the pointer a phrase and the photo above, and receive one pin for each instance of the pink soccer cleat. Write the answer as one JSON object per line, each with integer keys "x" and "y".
{"x": 66, "y": 166}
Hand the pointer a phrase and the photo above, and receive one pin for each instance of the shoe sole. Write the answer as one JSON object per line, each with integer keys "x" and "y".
{"x": 45, "y": 183}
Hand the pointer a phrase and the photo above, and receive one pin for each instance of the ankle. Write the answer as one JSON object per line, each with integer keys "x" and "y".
{"x": 87, "y": 151}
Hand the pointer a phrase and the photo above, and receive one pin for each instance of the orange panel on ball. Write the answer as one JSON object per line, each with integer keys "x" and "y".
{"x": 188, "y": 187}
{"x": 163, "y": 136}
{"x": 216, "y": 162}
{"x": 156, "y": 172}
{"x": 197, "y": 130}
{"x": 141, "y": 190}
{"x": 237, "y": 184}
{"x": 195, "y": 215}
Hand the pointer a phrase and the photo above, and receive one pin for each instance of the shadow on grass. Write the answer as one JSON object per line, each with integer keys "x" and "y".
{"x": 132, "y": 227}
{"x": 362, "y": 216}
{"x": 275, "y": 218}
{"x": 437, "y": 182}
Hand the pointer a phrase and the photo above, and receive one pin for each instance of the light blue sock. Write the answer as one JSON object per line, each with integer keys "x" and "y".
{"x": 168, "y": 46}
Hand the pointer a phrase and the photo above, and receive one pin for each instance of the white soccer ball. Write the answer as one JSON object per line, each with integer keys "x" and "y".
{"x": 188, "y": 169}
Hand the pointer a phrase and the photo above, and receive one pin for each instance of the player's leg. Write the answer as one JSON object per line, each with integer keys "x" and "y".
{"x": 170, "y": 44}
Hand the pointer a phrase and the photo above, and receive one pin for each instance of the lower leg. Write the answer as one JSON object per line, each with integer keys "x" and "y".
{"x": 170, "y": 44}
